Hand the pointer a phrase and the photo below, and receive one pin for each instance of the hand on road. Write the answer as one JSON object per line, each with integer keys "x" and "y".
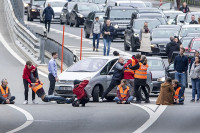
{"x": 7, "y": 101}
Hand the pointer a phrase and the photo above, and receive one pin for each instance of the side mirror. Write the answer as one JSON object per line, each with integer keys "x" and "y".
{"x": 129, "y": 27}
{"x": 64, "y": 8}
{"x": 182, "y": 21}
{"x": 111, "y": 72}
{"x": 105, "y": 17}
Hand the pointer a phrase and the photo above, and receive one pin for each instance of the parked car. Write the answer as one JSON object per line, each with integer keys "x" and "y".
{"x": 175, "y": 27}
{"x": 65, "y": 14}
{"x": 171, "y": 15}
{"x": 98, "y": 70}
{"x": 158, "y": 70}
{"x": 133, "y": 32}
{"x": 185, "y": 42}
{"x": 150, "y": 10}
{"x": 57, "y": 6}
{"x": 120, "y": 17}
{"x": 26, "y": 5}
{"x": 188, "y": 16}
{"x": 34, "y": 9}
{"x": 136, "y": 4}
{"x": 179, "y": 20}
{"x": 194, "y": 45}
{"x": 90, "y": 19}
{"x": 185, "y": 29}
{"x": 100, "y": 3}
{"x": 80, "y": 11}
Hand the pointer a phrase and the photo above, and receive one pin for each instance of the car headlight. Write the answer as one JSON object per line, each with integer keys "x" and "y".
{"x": 116, "y": 26}
{"x": 136, "y": 35}
{"x": 61, "y": 14}
{"x": 25, "y": 5}
{"x": 80, "y": 15}
{"x": 33, "y": 10}
{"x": 162, "y": 79}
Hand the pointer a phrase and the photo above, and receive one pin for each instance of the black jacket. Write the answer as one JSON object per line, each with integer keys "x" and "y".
{"x": 181, "y": 63}
{"x": 107, "y": 29}
{"x": 194, "y": 22}
{"x": 184, "y": 9}
{"x": 48, "y": 12}
{"x": 118, "y": 72}
{"x": 171, "y": 47}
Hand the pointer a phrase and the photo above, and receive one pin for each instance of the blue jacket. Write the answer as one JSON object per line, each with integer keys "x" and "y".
{"x": 48, "y": 12}
{"x": 107, "y": 29}
{"x": 181, "y": 63}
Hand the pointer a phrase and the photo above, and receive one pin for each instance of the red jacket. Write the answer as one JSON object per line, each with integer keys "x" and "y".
{"x": 79, "y": 91}
{"x": 128, "y": 75}
{"x": 27, "y": 73}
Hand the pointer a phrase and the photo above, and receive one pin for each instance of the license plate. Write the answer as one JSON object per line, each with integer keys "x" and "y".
{"x": 65, "y": 88}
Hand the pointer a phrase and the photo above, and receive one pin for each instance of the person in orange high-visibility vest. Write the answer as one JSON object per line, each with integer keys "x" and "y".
{"x": 5, "y": 95}
{"x": 179, "y": 95}
{"x": 123, "y": 95}
{"x": 140, "y": 79}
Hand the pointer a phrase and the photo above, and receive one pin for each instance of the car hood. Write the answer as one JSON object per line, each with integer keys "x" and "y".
{"x": 57, "y": 9}
{"x": 137, "y": 31}
{"x": 84, "y": 13}
{"x": 160, "y": 40}
{"x": 76, "y": 75}
{"x": 120, "y": 21}
{"x": 157, "y": 74}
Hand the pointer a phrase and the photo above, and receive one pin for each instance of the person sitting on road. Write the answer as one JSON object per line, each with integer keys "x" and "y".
{"x": 179, "y": 94}
{"x": 123, "y": 95}
{"x": 5, "y": 95}
{"x": 166, "y": 96}
{"x": 193, "y": 20}
{"x": 79, "y": 91}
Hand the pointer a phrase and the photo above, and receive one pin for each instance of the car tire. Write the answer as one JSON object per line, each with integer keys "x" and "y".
{"x": 71, "y": 24}
{"x": 110, "y": 98}
{"x": 87, "y": 35}
{"x": 126, "y": 48}
{"x": 76, "y": 23}
{"x": 143, "y": 98}
{"x": 28, "y": 18}
{"x": 95, "y": 94}
{"x": 61, "y": 22}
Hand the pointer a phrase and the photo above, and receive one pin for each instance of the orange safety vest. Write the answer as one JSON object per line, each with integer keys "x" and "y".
{"x": 123, "y": 92}
{"x": 177, "y": 93}
{"x": 36, "y": 87}
{"x": 130, "y": 70}
{"x": 141, "y": 73}
{"x": 4, "y": 94}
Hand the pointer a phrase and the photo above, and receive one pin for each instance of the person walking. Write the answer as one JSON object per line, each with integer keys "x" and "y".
{"x": 140, "y": 79}
{"x": 96, "y": 31}
{"x": 184, "y": 8}
{"x": 47, "y": 15}
{"x": 28, "y": 69}
{"x": 52, "y": 68}
{"x": 193, "y": 59}
{"x": 117, "y": 77}
{"x": 170, "y": 48}
{"x": 129, "y": 74}
{"x": 181, "y": 67}
{"x": 107, "y": 32}
{"x": 193, "y": 20}
{"x": 195, "y": 78}
{"x": 5, "y": 95}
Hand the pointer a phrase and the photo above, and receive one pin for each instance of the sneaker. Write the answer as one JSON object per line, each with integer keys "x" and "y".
{"x": 93, "y": 49}
{"x": 100, "y": 100}
{"x": 192, "y": 100}
{"x": 147, "y": 101}
{"x": 197, "y": 100}
{"x": 97, "y": 50}
{"x": 25, "y": 102}
{"x": 34, "y": 102}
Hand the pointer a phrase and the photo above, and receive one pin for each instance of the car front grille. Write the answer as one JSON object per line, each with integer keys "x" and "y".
{"x": 68, "y": 92}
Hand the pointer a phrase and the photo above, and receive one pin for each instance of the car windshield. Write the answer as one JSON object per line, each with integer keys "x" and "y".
{"x": 99, "y": 1}
{"x": 185, "y": 31}
{"x": 38, "y": 2}
{"x": 88, "y": 65}
{"x": 101, "y": 19}
{"x": 171, "y": 15}
{"x": 57, "y": 4}
{"x": 188, "y": 18}
{"x": 185, "y": 42}
{"x": 151, "y": 24}
{"x": 70, "y": 6}
{"x": 88, "y": 7}
{"x": 155, "y": 65}
{"x": 139, "y": 5}
{"x": 163, "y": 33}
{"x": 196, "y": 45}
{"x": 121, "y": 14}
{"x": 162, "y": 20}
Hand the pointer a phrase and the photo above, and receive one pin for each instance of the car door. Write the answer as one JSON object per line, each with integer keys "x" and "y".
{"x": 73, "y": 14}
{"x": 63, "y": 14}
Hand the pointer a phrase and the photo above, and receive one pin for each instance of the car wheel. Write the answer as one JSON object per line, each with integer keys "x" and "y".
{"x": 87, "y": 35}
{"x": 143, "y": 98}
{"x": 28, "y": 19}
{"x": 76, "y": 23}
{"x": 95, "y": 94}
{"x": 110, "y": 98}
{"x": 126, "y": 47}
{"x": 71, "y": 24}
{"x": 31, "y": 19}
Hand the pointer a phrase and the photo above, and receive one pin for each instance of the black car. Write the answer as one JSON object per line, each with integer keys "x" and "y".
{"x": 33, "y": 11}
{"x": 80, "y": 11}
{"x": 90, "y": 19}
{"x": 133, "y": 31}
{"x": 64, "y": 16}
{"x": 120, "y": 17}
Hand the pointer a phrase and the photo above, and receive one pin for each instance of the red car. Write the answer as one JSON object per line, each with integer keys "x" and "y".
{"x": 194, "y": 45}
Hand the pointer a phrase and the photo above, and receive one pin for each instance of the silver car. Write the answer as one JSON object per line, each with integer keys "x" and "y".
{"x": 99, "y": 72}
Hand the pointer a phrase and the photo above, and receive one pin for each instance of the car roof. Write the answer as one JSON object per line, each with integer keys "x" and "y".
{"x": 172, "y": 29}
{"x": 127, "y": 1}
{"x": 193, "y": 13}
{"x": 85, "y": 3}
{"x": 150, "y": 14}
{"x": 187, "y": 38}
{"x": 139, "y": 19}
{"x": 172, "y": 11}
{"x": 155, "y": 58}
{"x": 109, "y": 57}
{"x": 148, "y": 8}
{"x": 56, "y": 1}
{"x": 192, "y": 25}
{"x": 121, "y": 7}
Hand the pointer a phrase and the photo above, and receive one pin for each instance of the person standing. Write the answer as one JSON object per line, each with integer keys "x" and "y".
{"x": 96, "y": 31}
{"x": 28, "y": 69}
{"x": 48, "y": 13}
{"x": 193, "y": 20}
{"x": 181, "y": 67}
{"x": 193, "y": 59}
{"x": 170, "y": 48}
{"x": 129, "y": 74}
{"x": 117, "y": 77}
{"x": 195, "y": 78}
{"x": 140, "y": 79}
{"x": 184, "y": 8}
{"x": 107, "y": 32}
{"x": 52, "y": 68}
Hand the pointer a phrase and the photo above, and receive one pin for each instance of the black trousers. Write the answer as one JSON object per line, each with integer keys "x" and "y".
{"x": 26, "y": 87}
{"x": 52, "y": 84}
{"x": 110, "y": 87}
{"x": 49, "y": 23}
{"x": 138, "y": 94}
{"x": 12, "y": 98}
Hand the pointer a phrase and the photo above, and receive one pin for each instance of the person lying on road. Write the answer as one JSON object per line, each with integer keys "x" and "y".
{"x": 5, "y": 95}
{"x": 179, "y": 94}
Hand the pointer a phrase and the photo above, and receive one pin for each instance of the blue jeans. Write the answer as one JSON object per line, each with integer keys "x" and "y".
{"x": 181, "y": 77}
{"x": 96, "y": 36}
{"x": 106, "y": 42}
{"x": 195, "y": 86}
{"x": 129, "y": 99}
{"x": 49, "y": 98}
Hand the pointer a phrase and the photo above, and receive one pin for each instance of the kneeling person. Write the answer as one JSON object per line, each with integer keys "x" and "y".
{"x": 179, "y": 95}
{"x": 5, "y": 95}
{"x": 123, "y": 95}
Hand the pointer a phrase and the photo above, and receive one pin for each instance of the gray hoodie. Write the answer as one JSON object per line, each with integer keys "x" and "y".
{"x": 195, "y": 71}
